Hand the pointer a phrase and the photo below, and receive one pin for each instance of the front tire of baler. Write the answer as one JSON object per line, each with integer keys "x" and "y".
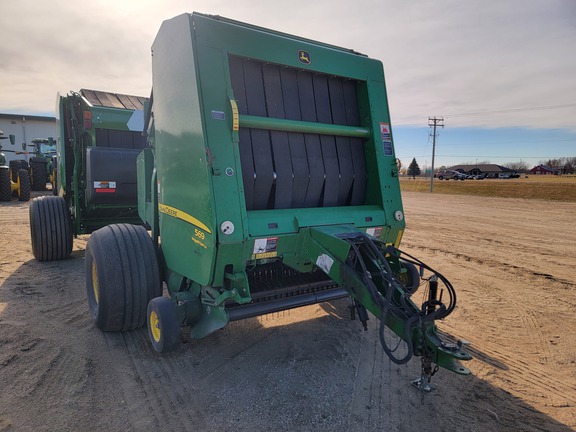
{"x": 122, "y": 276}
{"x": 50, "y": 228}
{"x": 163, "y": 327}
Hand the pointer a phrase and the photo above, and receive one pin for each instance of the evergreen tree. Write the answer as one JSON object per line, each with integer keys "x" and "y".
{"x": 413, "y": 169}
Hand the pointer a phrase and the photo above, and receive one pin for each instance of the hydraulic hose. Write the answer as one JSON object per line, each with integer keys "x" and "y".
{"x": 385, "y": 302}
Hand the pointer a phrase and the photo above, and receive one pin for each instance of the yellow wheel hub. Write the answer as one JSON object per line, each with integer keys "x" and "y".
{"x": 155, "y": 326}
{"x": 95, "y": 281}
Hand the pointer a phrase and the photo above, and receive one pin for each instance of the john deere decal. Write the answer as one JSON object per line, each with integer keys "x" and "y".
{"x": 304, "y": 57}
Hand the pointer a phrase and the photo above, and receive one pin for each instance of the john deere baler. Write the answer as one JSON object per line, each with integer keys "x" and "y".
{"x": 270, "y": 183}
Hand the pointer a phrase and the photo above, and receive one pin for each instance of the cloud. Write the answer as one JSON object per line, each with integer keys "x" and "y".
{"x": 441, "y": 57}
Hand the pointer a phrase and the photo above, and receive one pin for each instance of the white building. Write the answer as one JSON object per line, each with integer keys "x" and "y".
{"x": 25, "y": 128}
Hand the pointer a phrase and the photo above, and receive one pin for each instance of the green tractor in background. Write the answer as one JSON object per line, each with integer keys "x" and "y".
{"x": 42, "y": 165}
{"x": 14, "y": 176}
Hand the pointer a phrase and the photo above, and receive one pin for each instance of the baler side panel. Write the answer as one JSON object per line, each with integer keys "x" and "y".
{"x": 187, "y": 221}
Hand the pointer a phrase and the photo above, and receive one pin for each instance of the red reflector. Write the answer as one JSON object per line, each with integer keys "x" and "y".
{"x": 87, "y": 119}
{"x": 105, "y": 190}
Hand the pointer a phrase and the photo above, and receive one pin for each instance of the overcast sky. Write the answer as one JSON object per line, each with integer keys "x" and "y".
{"x": 481, "y": 64}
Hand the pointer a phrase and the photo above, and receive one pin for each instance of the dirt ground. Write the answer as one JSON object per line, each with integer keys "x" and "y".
{"x": 310, "y": 369}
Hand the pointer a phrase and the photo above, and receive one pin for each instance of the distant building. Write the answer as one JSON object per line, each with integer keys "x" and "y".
{"x": 543, "y": 170}
{"x": 25, "y": 128}
{"x": 490, "y": 170}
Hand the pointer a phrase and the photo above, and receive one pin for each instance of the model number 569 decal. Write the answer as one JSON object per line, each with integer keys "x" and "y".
{"x": 199, "y": 234}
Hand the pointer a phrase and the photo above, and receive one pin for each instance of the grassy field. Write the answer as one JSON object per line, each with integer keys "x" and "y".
{"x": 549, "y": 188}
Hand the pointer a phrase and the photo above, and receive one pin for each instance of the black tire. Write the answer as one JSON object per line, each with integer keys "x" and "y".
{"x": 410, "y": 280}
{"x": 5, "y": 188}
{"x": 50, "y": 228}
{"x": 24, "y": 191}
{"x": 122, "y": 276}
{"x": 39, "y": 174}
{"x": 15, "y": 166}
{"x": 163, "y": 327}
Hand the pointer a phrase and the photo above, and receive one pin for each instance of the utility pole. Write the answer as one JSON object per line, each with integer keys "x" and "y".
{"x": 434, "y": 122}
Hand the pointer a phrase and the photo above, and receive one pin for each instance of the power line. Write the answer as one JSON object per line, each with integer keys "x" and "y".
{"x": 484, "y": 157}
{"x": 541, "y": 108}
{"x": 495, "y": 111}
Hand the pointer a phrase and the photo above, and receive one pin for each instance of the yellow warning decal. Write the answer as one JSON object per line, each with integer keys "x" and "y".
{"x": 179, "y": 214}
{"x": 235, "y": 115}
{"x": 265, "y": 255}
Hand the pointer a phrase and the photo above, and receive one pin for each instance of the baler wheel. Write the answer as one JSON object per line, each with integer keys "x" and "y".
{"x": 122, "y": 276}
{"x": 24, "y": 189}
{"x": 163, "y": 327}
{"x": 50, "y": 228}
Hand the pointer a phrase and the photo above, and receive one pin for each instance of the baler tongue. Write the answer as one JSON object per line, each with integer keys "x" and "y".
{"x": 369, "y": 271}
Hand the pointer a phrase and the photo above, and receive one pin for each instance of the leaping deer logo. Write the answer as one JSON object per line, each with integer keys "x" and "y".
{"x": 304, "y": 57}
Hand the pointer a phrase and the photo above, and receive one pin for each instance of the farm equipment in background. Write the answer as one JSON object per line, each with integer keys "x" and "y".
{"x": 42, "y": 163}
{"x": 94, "y": 176}
{"x": 14, "y": 176}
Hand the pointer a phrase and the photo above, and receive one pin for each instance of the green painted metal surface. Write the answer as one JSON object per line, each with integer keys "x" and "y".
{"x": 220, "y": 213}
{"x": 195, "y": 143}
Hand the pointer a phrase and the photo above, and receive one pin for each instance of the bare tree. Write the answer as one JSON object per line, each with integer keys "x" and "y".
{"x": 519, "y": 166}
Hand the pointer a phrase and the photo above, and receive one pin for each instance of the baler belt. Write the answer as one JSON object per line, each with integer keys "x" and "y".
{"x": 296, "y": 140}
{"x": 312, "y": 142}
{"x": 261, "y": 150}
{"x": 280, "y": 147}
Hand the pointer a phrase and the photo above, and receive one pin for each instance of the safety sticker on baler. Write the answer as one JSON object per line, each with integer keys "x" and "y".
{"x": 325, "y": 263}
{"x": 386, "y": 137}
{"x": 105, "y": 186}
{"x": 265, "y": 248}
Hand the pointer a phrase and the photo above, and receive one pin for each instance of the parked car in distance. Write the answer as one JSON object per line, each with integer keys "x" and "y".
{"x": 450, "y": 174}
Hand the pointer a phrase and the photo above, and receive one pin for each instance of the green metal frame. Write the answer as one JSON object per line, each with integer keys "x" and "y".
{"x": 198, "y": 83}
{"x": 86, "y": 217}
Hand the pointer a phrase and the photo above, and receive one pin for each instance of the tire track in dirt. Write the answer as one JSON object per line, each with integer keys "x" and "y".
{"x": 383, "y": 397}
{"x": 164, "y": 400}
{"x": 501, "y": 350}
{"x": 492, "y": 264}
